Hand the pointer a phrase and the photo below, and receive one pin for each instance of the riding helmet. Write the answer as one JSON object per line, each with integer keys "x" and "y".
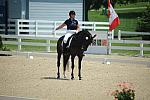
{"x": 72, "y": 13}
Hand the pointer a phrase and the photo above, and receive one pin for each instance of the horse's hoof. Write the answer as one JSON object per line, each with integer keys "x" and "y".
{"x": 80, "y": 78}
{"x": 58, "y": 77}
{"x": 72, "y": 78}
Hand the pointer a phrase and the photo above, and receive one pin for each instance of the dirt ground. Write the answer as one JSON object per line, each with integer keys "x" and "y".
{"x": 36, "y": 78}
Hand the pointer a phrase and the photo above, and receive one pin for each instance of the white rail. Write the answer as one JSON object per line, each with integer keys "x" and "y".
{"x": 45, "y": 27}
{"x": 19, "y": 41}
{"x": 131, "y": 33}
{"x": 141, "y": 47}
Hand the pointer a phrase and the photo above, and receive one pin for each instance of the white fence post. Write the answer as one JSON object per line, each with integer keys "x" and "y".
{"x": 48, "y": 47}
{"x": 112, "y": 34}
{"x": 119, "y": 35}
{"x": 19, "y": 44}
{"x": 94, "y": 29}
{"x": 18, "y": 33}
{"x": 17, "y": 27}
{"x": 141, "y": 49}
{"x": 109, "y": 48}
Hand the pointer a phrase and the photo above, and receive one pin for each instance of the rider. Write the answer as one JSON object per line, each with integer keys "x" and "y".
{"x": 72, "y": 27}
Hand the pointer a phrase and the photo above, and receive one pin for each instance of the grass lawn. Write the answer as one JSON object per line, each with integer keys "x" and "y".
{"x": 128, "y": 18}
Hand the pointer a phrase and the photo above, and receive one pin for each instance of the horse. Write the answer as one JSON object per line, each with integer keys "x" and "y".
{"x": 78, "y": 43}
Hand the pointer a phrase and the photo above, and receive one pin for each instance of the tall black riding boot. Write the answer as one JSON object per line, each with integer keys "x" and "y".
{"x": 65, "y": 48}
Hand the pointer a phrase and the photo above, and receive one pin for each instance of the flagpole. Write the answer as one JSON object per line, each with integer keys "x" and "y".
{"x": 108, "y": 8}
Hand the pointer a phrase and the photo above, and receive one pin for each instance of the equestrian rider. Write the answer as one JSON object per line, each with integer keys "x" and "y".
{"x": 72, "y": 27}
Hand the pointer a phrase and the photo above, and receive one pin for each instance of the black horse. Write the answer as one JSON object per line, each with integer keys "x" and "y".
{"x": 78, "y": 44}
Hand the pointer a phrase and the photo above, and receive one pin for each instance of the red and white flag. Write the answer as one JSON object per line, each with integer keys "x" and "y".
{"x": 113, "y": 17}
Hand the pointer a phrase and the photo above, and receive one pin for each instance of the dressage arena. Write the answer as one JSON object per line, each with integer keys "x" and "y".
{"x": 25, "y": 78}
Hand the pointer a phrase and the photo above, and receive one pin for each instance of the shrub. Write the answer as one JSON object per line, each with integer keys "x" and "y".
{"x": 126, "y": 93}
{"x": 2, "y": 47}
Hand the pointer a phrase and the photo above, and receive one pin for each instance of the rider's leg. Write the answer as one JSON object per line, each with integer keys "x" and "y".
{"x": 65, "y": 41}
{"x": 66, "y": 37}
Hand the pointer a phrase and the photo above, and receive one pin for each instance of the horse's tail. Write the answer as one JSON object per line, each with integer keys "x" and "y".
{"x": 59, "y": 44}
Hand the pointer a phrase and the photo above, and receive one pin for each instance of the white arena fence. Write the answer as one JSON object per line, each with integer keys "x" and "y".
{"x": 20, "y": 29}
{"x": 131, "y": 33}
{"x": 43, "y": 30}
{"x": 45, "y": 27}
{"x": 141, "y": 43}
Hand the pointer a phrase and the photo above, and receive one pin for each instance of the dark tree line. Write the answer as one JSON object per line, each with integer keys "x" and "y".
{"x": 144, "y": 23}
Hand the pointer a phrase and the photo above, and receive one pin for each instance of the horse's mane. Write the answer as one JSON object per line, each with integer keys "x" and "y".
{"x": 83, "y": 33}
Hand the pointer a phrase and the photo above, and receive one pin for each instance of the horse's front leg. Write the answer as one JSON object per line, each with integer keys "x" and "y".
{"x": 58, "y": 65}
{"x": 72, "y": 66}
{"x": 79, "y": 66}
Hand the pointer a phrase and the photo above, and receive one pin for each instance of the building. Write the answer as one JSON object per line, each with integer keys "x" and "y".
{"x": 2, "y": 11}
{"x": 55, "y": 10}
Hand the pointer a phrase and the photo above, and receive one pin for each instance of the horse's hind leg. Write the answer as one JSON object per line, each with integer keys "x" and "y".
{"x": 79, "y": 66}
{"x": 65, "y": 61}
{"x": 72, "y": 66}
{"x": 58, "y": 64}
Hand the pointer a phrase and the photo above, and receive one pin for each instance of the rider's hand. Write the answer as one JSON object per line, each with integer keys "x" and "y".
{"x": 76, "y": 31}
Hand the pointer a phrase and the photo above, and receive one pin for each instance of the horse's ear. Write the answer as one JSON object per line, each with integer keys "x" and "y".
{"x": 94, "y": 36}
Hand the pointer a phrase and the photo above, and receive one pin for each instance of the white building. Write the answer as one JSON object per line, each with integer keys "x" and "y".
{"x": 55, "y": 10}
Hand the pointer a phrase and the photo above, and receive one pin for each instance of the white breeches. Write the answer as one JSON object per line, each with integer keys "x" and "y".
{"x": 66, "y": 37}
{"x": 68, "y": 34}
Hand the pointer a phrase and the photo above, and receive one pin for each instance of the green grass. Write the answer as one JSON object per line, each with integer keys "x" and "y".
{"x": 39, "y": 41}
{"x": 126, "y": 52}
{"x": 11, "y": 47}
{"x": 124, "y": 44}
{"x": 97, "y": 16}
{"x": 130, "y": 53}
{"x": 128, "y": 19}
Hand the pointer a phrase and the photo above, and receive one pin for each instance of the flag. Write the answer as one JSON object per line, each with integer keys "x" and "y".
{"x": 113, "y": 17}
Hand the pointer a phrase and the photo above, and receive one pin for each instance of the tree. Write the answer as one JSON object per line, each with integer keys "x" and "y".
{"x": 88, "y": 3}
{"x": 144, "y": 22}
{"x": 96, "y": 4}
{"x": 91, "y": 4}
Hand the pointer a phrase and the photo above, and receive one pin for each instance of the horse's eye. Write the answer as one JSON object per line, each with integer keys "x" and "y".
{"x": 86, "y": 38}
